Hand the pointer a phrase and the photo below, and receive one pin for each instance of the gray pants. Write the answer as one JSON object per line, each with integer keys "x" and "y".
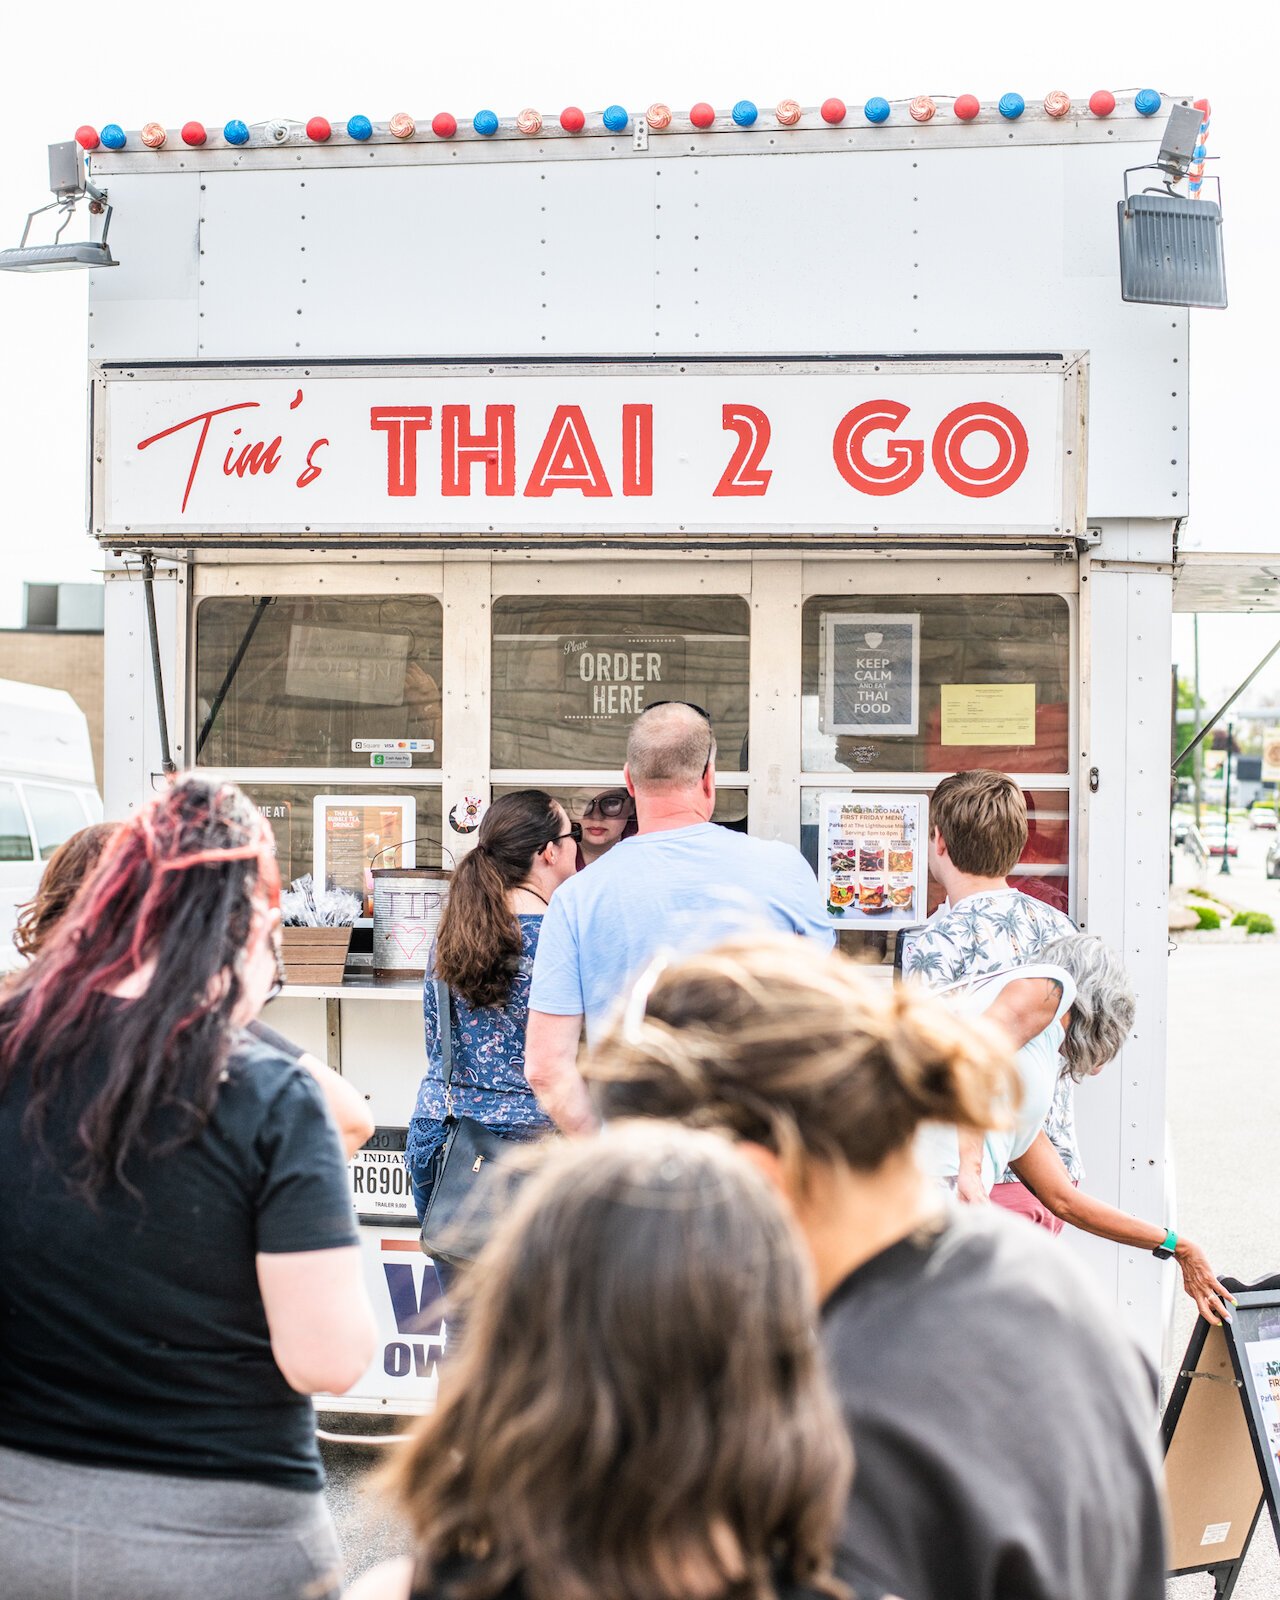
{"x": 70, "y": 1532}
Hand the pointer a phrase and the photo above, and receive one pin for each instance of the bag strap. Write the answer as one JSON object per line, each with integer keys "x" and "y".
{"x": 444, "y": 1027}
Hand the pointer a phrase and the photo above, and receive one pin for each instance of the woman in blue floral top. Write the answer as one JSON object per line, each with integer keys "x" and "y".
{"x": 484, "y": 952}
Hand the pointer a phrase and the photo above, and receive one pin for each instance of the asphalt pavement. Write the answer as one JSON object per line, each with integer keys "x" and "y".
{"x": 1224, "y": 1115}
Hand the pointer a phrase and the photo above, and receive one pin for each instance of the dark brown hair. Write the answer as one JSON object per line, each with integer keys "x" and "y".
{"x": 68, "y": 867}
{"x": 983, "y": 817}
{"x": 478, "y": 944}
{"x": 178, "y": 885}
{"x": 639, "y": 1409}
{"x": 795, "y": 1050}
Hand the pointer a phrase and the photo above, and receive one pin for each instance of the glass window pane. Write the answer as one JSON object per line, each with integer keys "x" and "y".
{"x": 569, "y": 675}
{"x": 56, "y": 813}
{"x": 316, "y": 674}
{"x": 290, "y": 809}
{"x": 994, "y": 683}
{"x": 1044, "y": 869}
{"x": 15, "y": 836}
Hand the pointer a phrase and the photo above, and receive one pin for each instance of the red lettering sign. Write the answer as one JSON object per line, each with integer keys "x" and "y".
{"x": 744, "y": 475}
{"x": 402, "y": 425}
{"x": 568, "y": 459}
{"x": 1012, "y": 449}
{"x": 460, "y": 450}
{"x": 906, "y": 456}
{"x": 637, "y": 450}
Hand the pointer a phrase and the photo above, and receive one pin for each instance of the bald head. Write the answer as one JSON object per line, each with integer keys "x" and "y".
{"x": 669, "y": 748}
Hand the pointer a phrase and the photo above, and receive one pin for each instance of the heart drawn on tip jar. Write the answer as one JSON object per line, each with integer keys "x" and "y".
{"x": 410, "y": 942}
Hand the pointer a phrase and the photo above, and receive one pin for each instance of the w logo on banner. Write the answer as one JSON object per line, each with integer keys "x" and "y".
{"x": 417, "y": 1310}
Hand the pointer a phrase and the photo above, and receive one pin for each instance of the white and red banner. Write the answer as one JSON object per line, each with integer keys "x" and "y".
{"x": 496, "y": 451}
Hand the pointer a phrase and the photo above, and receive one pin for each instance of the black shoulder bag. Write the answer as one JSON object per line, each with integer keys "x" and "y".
{"x": 465, "y": 1201}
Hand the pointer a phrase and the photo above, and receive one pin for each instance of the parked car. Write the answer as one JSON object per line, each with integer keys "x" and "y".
{"x": 47, "y": 791}
{"x": 1219, "y": 842}
{"x": 1262, "y": 816}
{"x": 1273, "y": 859}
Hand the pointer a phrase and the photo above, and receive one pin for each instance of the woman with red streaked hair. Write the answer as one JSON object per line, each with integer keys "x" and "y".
{"x": 178, "y": 1265}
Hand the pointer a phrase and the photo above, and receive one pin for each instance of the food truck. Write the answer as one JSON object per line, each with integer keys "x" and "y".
{"x": 426, "y": 453}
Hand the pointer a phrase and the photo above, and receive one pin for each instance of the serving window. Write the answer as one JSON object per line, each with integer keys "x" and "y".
{"x": 936, "y": 683}
{"x": 389, "y": 826}
{"x": 570, "y": 675}
{"x": 317, "y": 681}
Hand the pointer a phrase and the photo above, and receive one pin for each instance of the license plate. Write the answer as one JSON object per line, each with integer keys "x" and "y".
{"x": 379, "y": 1182}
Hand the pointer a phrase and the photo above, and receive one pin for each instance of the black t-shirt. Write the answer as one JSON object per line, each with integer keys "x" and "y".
{"x": 133, "y": 1335}
{"x": 1004, "y": 1429}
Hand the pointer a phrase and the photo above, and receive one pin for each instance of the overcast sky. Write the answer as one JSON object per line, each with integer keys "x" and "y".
{"x": 73, "y": 63}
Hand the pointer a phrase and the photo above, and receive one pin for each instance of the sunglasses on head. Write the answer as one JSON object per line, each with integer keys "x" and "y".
{"x": 615, "y": 804}
{"x": 688, "y": 704}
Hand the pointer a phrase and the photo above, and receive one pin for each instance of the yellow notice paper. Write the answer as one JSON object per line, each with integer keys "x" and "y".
{"x": 988, "y": 713}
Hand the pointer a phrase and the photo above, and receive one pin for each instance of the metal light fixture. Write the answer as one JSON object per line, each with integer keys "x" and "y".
{"x": 68, "y": 181}
{"x": 1171, "y": 244}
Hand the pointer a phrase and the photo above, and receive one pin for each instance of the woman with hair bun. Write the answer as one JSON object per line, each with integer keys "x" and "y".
{"x": 640, "y": 1410}
{"x": 483, "y": 954}
{"x": 1004, "y": 1427}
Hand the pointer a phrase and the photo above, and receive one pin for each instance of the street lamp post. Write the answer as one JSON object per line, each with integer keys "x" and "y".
{"x": 1225, "y": 868}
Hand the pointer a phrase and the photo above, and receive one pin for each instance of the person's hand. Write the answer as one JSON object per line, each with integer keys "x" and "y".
{"x": 970, "y": 1189}
{"x": 1211, "y": 1297}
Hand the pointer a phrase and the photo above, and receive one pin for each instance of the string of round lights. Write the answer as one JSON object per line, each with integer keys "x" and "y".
{"x": 659, "y": 118}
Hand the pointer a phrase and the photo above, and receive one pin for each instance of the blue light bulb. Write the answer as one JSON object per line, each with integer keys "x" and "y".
{"x": 616, "y": 119}
{"x": 485, "y": 123}
{"x": 877, "y": 109}
{"x": 113, "y": 136}
{"x": 745, "y": 113}
{"x": 359, "y": 127}
{"x": 1011, "y": 106}
{"x": 1146, "y": 102}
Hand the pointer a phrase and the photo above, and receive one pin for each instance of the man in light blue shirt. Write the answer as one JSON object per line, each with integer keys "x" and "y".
{"x": 681, "y": 884}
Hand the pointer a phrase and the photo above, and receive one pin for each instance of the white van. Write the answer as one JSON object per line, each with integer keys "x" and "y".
{"x": 47, "y": 791}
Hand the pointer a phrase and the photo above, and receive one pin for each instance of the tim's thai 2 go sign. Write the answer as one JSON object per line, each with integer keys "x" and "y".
{"x": 499, "y": 451}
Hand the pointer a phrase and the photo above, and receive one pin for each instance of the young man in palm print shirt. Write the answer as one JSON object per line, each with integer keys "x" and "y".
{"x": 977, "y": 833}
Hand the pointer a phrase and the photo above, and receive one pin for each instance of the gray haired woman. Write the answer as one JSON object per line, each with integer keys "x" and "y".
{"x": 1097, "y": 1025}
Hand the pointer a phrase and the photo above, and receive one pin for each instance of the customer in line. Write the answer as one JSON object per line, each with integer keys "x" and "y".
{"x": 484, "y": 953}
{"x": 640, "y": 1409}
{"x": 74, "y": 861}
{"x": 1004, "y": 1427}
{"x": 66, "y": 869}
{"x": 681, "y": 883}
{"x": 1094, "y": 1026}
{"x": 978, "y": 830}
{"x": 178, "y": 1264}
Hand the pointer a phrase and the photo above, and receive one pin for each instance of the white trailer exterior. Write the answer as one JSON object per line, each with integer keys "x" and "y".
{"x": 538, "y": 363}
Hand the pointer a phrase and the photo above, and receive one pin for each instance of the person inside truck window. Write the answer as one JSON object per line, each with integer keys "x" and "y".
{"x": 640, "y": 1406}
{"x": 606, "y": 815}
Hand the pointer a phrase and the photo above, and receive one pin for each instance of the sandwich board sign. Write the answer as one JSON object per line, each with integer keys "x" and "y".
{"x": 1221, "y": 1433}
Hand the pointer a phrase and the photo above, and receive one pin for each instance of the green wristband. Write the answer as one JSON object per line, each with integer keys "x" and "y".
{"x": 1165, "y": 1249}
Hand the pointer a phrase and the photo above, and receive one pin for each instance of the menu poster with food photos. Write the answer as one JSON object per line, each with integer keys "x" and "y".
{"x": 873, "y": 860}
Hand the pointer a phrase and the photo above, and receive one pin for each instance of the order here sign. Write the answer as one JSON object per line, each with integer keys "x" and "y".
{"x": 492, "y": 450}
